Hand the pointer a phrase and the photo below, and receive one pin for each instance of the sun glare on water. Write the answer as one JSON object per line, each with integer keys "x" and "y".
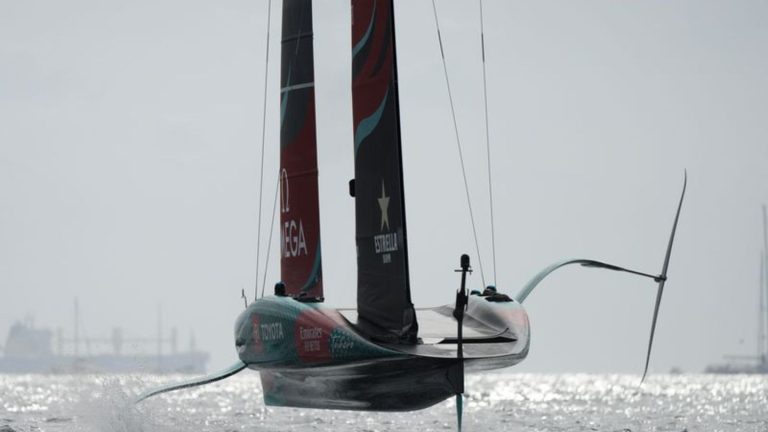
{"x": 494, "y": 402}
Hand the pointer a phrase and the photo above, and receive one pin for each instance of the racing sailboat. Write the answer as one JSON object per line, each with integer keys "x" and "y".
{"x": 385, "y": 355}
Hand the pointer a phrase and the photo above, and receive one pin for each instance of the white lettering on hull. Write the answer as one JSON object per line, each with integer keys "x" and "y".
{"x": 310, "y": 333}
{"x": 272, "y": 332}
{"x": 310, "y": 337}
{"x": 341, "y": 343}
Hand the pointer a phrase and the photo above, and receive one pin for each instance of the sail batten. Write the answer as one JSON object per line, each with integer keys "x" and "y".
{"x": 296, "y": 87}
{"x": 301, "y": 263}
{"x": 383, "y": 293}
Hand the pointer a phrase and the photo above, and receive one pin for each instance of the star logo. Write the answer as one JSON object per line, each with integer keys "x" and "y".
{"x": 384, "y": 206}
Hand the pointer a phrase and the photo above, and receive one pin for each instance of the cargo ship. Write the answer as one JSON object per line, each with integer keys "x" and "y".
{"x": 29, "y": 349}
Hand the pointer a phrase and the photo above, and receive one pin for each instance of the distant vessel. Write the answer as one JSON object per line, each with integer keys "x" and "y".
{"x": 30, "y": 350}
{"x": 757, "y": 364}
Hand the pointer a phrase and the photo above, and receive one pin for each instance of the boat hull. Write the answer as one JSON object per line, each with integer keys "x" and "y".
{"x": 311, "y": 356}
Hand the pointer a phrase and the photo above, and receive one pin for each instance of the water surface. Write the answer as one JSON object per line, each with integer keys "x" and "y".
{"x": 495, "y": 402}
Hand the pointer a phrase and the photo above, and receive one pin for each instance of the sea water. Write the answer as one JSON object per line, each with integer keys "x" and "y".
{"x": 494, "y": 402}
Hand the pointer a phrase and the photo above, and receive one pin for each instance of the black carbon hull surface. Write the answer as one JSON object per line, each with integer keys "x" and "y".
{"x": 311, "y": 356}
{"x": 389, "y": 385}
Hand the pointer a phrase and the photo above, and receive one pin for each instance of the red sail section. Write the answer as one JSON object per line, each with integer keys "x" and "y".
{"x": 383, "y": 292}
{"x": 301, "y": 266}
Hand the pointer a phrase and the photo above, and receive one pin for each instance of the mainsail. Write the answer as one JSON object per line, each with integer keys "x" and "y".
{"x": 301, "y": 267}
{"x": 383, "y": 292}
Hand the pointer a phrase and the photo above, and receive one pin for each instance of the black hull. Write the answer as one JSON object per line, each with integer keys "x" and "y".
{"x": 388, "y": 385}
{"x": 311, "y": 356}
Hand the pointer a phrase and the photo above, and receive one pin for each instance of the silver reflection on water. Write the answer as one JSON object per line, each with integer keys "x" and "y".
{"x": 495, "y": 402}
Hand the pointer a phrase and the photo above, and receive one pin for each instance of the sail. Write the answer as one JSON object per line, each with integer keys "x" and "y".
{"x": 383, "y": 293}
{"x": 301, "y": 268}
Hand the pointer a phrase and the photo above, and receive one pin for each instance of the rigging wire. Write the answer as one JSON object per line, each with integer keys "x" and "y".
{"x": 263, "y": 139}
{"x": 488, "y": 141}
{"x": 458, "y": 143}
{"x": 271, "y": 231}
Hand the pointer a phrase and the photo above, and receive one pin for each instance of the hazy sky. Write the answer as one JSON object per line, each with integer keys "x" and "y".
{"x": 129, "y": 157}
